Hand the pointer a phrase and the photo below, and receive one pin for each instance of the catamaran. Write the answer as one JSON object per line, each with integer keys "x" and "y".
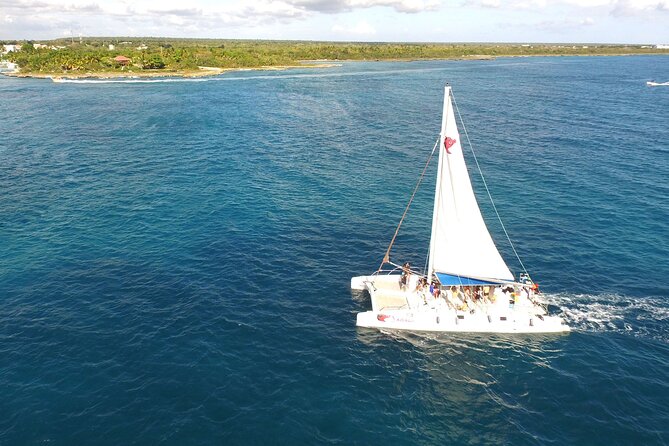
{"x": 467, "y": 286}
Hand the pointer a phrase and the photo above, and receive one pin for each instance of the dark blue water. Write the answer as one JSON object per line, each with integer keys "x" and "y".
{"x": 175, "y": 256}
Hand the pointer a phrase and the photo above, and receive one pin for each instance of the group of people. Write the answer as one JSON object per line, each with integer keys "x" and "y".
{"x": 464, "y": 297}
{"x": 469, "y": 298}
{"x": 433, "y": 290}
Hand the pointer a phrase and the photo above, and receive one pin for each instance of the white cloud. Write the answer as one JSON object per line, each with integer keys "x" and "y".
{"x": 490, "y": 3}
{"x": 624, "y": 8}
{"x": 512, "y": 5}
{"x": 361, "y": 28}
{"x": 335, "y": 6}
{"x": 630, "y": 6}
{"x": 588, "y": 3}
{"x": 275, "y": 9}
{"x": 559, "y": 26}
{"x": 313, "y": 19}
{"x": 174, "y": 17}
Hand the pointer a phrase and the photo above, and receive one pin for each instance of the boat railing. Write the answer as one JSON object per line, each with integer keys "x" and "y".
{"x": 385, "y": 272}
{"x": 396, "y": 269}
{"x": 396, "y": 307}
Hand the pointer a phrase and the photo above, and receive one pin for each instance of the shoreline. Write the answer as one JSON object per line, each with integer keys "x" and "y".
{"x": 202, "y": 72}
{"x": 317, "y": 63}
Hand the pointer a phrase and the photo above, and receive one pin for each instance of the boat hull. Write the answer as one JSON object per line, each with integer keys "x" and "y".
{"x": 452, "y": 322}
{"x": 399, "y": 309}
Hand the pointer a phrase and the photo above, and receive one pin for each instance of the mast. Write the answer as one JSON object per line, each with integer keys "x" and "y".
{"x": 437, "y": 191}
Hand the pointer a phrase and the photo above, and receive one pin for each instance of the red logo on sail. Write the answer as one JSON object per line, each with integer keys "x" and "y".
{"x": 448, "y": 143}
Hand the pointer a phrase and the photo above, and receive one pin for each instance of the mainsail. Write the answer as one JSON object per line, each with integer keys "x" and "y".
{"x": 460, "y": 245}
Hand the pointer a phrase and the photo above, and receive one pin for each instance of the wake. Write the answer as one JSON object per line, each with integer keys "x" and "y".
{"x": 271, "y": 75}
{"x": 223, "y": 77}
{"x": 638, "y": 316}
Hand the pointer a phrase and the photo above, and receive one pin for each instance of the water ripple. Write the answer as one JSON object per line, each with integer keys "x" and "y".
{"x": 175, "y": 257}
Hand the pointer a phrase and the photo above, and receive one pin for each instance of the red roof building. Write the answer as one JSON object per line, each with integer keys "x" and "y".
{"x": 122, "y": 60}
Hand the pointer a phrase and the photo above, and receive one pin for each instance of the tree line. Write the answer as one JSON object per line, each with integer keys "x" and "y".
{"x": 97, "y": 54}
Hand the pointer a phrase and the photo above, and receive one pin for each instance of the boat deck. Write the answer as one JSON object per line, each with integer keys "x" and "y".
{"x": 387, "y": 301}
{"x": 386, "y": 294}
{"x": 409, "y": 309}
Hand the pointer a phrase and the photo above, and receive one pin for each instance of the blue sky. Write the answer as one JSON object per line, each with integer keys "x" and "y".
{"x": 597, "y": 21}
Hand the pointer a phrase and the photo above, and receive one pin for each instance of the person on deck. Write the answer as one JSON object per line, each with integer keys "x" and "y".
{"x": 406, "y": 275}
{"x": 460, "y": 298}
{"x": 420, "y": 285}
{"x": 435, "y": 290}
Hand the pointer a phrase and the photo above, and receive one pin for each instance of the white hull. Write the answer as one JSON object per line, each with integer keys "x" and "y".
{"x": 396, "y": 309}
{"x": 657, "y": 84}
{"x": 450, "y": 321}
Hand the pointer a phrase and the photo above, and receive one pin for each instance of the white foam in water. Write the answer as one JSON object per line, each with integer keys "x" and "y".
{"x": 137, "y": 80}
{"x": 640, "y": 316}
{"x": 269, "y": 75}
{"x": 127, "y": 80}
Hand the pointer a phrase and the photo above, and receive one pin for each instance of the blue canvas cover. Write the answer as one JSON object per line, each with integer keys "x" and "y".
{"x": 448, "y": 280}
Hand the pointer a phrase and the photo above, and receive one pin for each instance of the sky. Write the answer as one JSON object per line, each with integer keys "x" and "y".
{"x": 549, "y": 21}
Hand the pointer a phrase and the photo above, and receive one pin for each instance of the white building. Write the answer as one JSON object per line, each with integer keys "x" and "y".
{"x": 10, "y": 48}
{"x": 7, "y": 66}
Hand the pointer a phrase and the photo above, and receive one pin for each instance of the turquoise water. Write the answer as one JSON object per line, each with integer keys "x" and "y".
{"x": 175, "y": 256}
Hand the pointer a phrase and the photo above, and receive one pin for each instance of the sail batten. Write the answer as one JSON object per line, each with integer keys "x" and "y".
{"x": 460, "y": 244}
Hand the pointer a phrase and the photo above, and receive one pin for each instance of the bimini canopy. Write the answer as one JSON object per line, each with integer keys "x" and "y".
{"x": 449, "y": 279}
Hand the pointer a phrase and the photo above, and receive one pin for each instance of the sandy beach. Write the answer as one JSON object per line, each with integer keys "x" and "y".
{"x": 139, "y": 73}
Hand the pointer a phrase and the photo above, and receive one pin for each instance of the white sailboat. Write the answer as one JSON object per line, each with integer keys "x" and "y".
{"x": 467, "y": 286}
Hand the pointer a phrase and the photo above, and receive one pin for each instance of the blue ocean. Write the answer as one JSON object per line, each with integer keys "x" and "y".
{"x": 176, "y": 256}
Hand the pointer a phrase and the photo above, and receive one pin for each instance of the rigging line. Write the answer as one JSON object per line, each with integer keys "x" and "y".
{"x": 386, "y": 257}
{"x": 471, "y": 147}
{"x": 427, "y": 260}
{"x": 414, "y": 272}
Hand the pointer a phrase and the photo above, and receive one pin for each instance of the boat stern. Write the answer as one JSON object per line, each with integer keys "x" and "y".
{"x": 360, "y": 282}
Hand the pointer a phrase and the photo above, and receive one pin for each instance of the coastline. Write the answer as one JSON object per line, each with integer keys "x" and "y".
{"x": 130, "y": 74}
{"x": 214, "y": 71}
{"x": 204, "y": 71}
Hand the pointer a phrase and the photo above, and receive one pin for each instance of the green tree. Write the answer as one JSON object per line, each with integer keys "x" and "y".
{"x": 155, "y": 62}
